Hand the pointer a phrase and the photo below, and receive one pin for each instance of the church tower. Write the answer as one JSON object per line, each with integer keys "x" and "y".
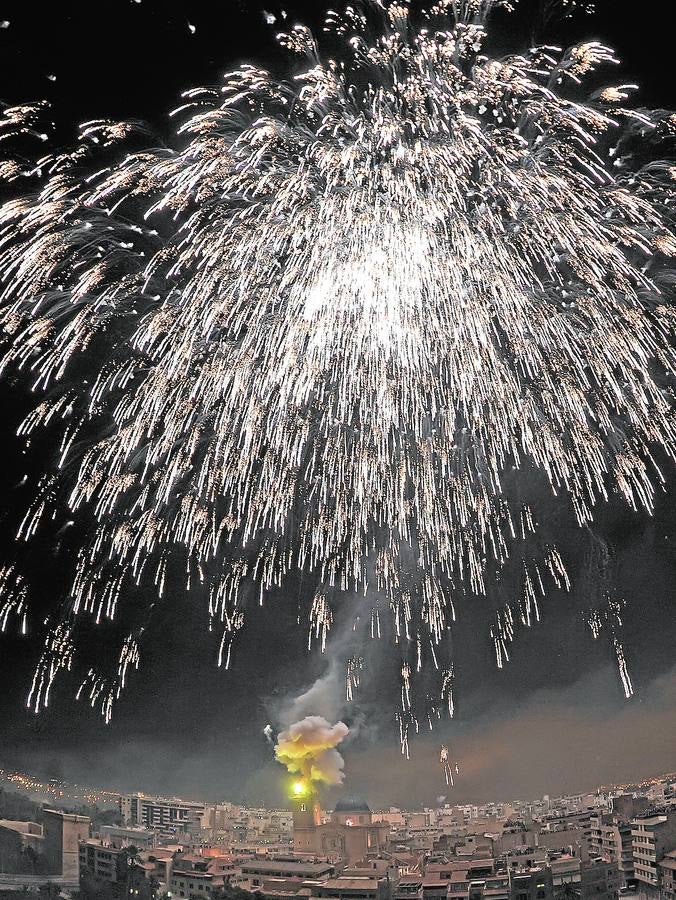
{"x": 307, "y": 815}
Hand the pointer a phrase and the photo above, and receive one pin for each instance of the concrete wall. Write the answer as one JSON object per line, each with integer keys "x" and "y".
{"x": 62, "y": 835}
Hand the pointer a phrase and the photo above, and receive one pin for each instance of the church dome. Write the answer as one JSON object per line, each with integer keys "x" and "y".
{"x": 352, "y": 805}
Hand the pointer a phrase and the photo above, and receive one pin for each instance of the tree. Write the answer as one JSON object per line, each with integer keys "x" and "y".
{"x": 568, "y": 891}
{"x": 14, "y": 895}
{"x": 19, "y": 807}
{"x": 92, "y": 888}
{"x": 229, "y": 892}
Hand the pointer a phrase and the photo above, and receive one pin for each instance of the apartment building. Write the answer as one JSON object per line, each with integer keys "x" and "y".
{"x": 653, "y": 837}
{"x": 612, "y": 842}
{"x": 668, "y": 876}
{"x": 167, "y": 814}
{"x": 118, "y": 836}
{"x": 104, "y": 862}
{"x": 196, "y": 877}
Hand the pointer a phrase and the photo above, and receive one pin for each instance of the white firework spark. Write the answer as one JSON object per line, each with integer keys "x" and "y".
{"x": 321, "y": 619}
{"x": 353, "y": 676}
{"x": 449, "y": 768}
{"x": 333, "y": 327}
{"x": 609, "y": 617}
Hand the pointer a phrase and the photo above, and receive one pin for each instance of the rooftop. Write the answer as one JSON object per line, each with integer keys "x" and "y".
{"x": 30, "y": 829}
{"x": 286, "y": 866}
{"x": 351, "y": 883}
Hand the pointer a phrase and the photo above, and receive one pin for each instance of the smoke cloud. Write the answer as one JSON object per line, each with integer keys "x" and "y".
{"x": 325, "y": 696}
{"x": 308, "y": 748}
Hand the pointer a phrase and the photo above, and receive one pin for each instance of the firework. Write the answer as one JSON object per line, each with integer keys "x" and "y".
{"x": 609, "y": 618}
{"x": 333, "y": 329}
{"x": 353, "y": 677}
{"x": 308, "y": 748}
{"x": 447, "y": 767}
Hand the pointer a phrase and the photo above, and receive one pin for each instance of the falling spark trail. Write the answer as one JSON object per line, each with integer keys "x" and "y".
{"x": 609, "y": 617}
{"x": 446, "y": 766}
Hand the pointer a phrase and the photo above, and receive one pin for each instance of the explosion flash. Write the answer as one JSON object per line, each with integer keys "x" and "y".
{"x": 308, "y": 748}
{"x": 333, "y": 330}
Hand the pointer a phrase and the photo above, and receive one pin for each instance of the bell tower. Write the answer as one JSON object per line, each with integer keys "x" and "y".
{"x": 307, "y": 816}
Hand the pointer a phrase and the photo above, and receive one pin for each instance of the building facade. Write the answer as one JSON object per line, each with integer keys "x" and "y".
{"x": 653, "y": 837}
{"x": 668, "y": 876}
{"x": 351, "y": 834}
{"x": 102, "y": 861}
{"x": 611, "y": 841}
{"x": 196, "y": 877}
{"x": 157, "y": 812}
{"x": 21, "y": 845}
{"x": 118, "y": 836}
{"x": 63, "y": 833}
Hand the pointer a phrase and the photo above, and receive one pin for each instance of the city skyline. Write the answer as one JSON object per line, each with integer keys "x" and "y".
{"x": 64, "y": 793}
{"x": 596, "y": 846}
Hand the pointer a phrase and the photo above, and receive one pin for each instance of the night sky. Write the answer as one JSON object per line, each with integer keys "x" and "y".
{"x": 554, "y": 719}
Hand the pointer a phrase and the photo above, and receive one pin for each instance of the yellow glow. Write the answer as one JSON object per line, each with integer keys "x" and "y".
{"x": 299, "y": 788}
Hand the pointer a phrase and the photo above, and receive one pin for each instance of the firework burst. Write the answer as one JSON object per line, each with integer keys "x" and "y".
{"x": 332, "y": 328}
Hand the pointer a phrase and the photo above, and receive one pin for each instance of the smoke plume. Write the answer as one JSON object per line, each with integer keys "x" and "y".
{"x": 308, "y": 748}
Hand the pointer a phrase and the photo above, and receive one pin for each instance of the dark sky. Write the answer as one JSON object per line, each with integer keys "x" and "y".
{"x": 554, "y": 719}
